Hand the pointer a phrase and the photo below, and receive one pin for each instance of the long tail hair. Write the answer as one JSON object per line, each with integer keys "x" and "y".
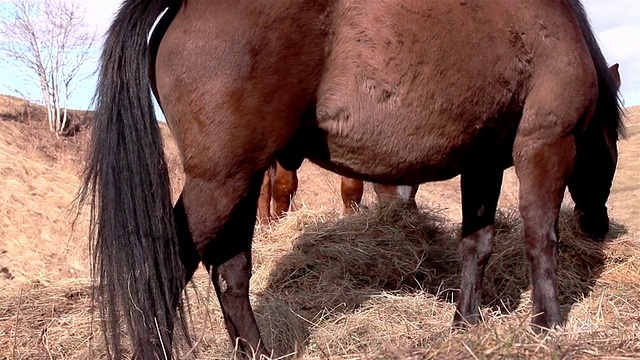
{"x": 126, "y": 186}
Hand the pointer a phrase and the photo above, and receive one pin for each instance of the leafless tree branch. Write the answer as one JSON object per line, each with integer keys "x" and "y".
{"x": 49, "y": 42}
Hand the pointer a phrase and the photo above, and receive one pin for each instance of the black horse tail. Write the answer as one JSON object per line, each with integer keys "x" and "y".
{"x": 127, "y": 187}
{"x": 608, "y": 108}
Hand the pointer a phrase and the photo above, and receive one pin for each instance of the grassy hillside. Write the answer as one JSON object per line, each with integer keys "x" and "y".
{"x": 380, "y": 284}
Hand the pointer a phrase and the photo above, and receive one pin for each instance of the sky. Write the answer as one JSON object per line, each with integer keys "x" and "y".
{"x": 615, "y": 22}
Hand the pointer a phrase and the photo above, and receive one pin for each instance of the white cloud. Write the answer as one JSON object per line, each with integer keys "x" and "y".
{"x": 100, "y": 13}
{"x": 617, "y": 27}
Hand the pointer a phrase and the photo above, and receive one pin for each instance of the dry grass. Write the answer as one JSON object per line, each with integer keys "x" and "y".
{"x": 38, "y": 178}
{"x": 381, "y": 284}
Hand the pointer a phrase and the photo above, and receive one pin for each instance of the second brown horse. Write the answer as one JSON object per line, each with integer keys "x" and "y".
{"x": 279, "y": 187}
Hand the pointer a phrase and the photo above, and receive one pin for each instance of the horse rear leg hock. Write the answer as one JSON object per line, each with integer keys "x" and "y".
{"x": 223, "y": 238}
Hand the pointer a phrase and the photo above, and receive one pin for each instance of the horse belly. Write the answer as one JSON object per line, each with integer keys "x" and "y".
{"x": 403, "y": 149}
{"x": 411, "y": 103}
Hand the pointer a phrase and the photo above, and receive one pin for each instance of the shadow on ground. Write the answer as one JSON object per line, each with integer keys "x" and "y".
{"x": 336, "y": 266}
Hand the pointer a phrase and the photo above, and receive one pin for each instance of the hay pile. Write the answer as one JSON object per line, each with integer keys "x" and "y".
{"x": 377, "y": 285}
{"x": 381, "y": 284}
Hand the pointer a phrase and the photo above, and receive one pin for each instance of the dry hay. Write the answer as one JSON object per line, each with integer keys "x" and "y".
{"x": 38, "y": 183}
{"x": 46, "y": 321}
{"x": 381, "y": 284}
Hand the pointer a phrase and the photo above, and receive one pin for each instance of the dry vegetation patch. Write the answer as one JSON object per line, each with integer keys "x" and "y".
{"x": 381, "y": 284}
{"x": 378, "y": 285}
{"x": 38, "y": 183}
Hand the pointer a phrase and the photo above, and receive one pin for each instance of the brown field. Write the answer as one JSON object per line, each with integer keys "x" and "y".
{"x": 380, "y": 284}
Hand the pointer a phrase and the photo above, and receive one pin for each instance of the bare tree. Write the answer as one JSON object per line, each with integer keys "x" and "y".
{"x": 48, "y": 41}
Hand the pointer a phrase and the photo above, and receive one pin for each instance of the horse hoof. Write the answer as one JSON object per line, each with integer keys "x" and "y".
{"x": 461, "y": 322}
{"x": 542, "y": 323}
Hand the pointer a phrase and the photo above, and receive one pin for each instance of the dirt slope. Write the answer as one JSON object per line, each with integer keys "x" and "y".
{"x": 39, "y": 178}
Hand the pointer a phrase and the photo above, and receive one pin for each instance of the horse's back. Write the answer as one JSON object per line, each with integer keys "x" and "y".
{"x": 454, "y": 74}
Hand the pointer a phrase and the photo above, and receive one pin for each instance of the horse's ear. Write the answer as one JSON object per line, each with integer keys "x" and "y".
{"x": 616, "y": 74}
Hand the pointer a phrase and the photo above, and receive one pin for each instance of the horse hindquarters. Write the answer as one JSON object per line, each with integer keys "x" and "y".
{"x": 230, "y": 121}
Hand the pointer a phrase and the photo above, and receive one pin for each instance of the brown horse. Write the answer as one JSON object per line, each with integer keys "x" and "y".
{"x": 393, "y": 92}
{"x": 280, "y": 185}
{"x": 352, "y": 189}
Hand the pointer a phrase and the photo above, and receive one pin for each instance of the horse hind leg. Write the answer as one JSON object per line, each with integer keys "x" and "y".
{"x": 351, "y": 191}
{"x": 221, "y": 215}
{"x": 285, "y": 185}
{"x": 543, "y": 155}
{"x": 480, "y": 189}
{"x": 264, "y": 201}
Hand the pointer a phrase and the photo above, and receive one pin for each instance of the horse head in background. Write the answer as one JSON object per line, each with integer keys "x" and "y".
{"x": 590, "y": 189}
